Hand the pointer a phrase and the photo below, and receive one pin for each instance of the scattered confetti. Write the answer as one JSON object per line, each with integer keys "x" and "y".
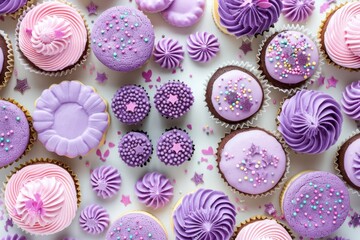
{"x": 210, "y": 167}
{"x": 92, "y": 8}
{"x": 204, "y": 159}
{"x": 8, "y": 223}
{"x": 125, "y": 199}
{"x": 245, "y": 47}
{"x": 208, "y": 130}
{"x": 355, "y": 220}
{"x": 101, "y": 156}
{"x": 22, "y": 85}
{"x": 326, "y": 5}
{"x": 189, "y": 126}
{"x": 332, "y": 82}
{"x": 111, "y": 145}
{"x": 87, "y": 164}
{"x": 270, "y": 209}
{"x": 101, "y": 77}
{"x": 208, "y": 151}
{"x": 198, "y": 178}
{"x": 147, "y": 75}
{"x": 274, "y": 101}
{"x": 321, "y": 80}
{"x": 158, "y": 79}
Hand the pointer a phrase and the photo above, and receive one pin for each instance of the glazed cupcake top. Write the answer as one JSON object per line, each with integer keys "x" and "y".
{"x": 249, "y": 165}
{"x": 263, "y": 229}
{"x": 249, "y": 17}
{"x": 298, "y": 10}
{"x": 52, "y": 36}
{"x": 14, "y": 133}
{"x": 316, "y": 204}
{"x": 341, "y": 37}
{"x": 11, "y": 6}
{"x": 351, "y": 100}
{"x": 41, "y": 198}
{"x": 310, "y": 121}
{"x": 122, "y": 38}
{"x": 205, "y": 214}
{"x": 291, "y": 57}
{"x": 351, "y": 160}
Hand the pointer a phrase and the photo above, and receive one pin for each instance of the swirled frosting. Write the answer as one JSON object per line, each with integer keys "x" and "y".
{"x": 94, "y": 219}
{"x": 298, "y": 10}
{"x": 105, "y": 181}
{"x": 351, "y": 100}
{"x": 202, "y": 46}
{"x": 349, "y": 156}
{"x": 263, "y": 229}
{"x": 41, "y": 198}
{"x": 154, "y": 190}
{"x": 14, "y": 237}
{"x": 342, "y": 36}
{"x": 168, "y": 53}
{"x": 52, "y": 36}
{"x": 310, "y": 121}
{"x": 249, "y": 17}
{"x": 205, "y": 214}
{"x": 11, "y": 6}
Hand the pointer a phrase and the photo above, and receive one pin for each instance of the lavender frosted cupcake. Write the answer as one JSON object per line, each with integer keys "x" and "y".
{"x": 351, "y": 100}
{"x": 105, "y": 181}
{"x": 173, "y": 99}
{"x": 168, "y": 53}
{"x": 202, "y": 46}
{"x": 131, "y": 104}
{"x": 154, "y": 190}
{"x": 94, "y": 219}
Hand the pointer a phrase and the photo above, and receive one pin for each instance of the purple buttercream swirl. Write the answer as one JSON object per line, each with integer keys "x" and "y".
{"x": 11, "y": 6}
{"x": 154, "y": 190}
{"x": 14, "y": 237}
{"x": 298, "y": 10}
{"x": 356, "y": 166}
{"x": 204, "y": 215}
{"x": 249, "y": 17}
{"x": 168, "y": 53}
{"x": 94, "y": 219}
{"x": 351, "y": 100}
{"x": 105, "y": 181}
{"x": 310, "y": 121}
{"x": 202, "y": 46}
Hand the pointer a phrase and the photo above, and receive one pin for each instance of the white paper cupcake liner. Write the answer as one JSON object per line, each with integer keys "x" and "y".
{"x": 292, "y": 27}
{"x": 264, "y": 85}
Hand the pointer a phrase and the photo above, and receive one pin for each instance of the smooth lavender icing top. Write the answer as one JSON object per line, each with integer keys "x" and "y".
{"x": 249, "y": 17}
{"x": 14, "y": 133}
{"x": 236, "y": 95}
{"x": 291, "y": 57}
{"x": 316, "y": 204}
{"x": 352, "y": 162}
{"x": 203, "y": 215}
{"x": 252, "y": 166}
{"x": 11, "y": 6}
{"x": 351, "y": 100}
{"x": 310, "y": 121}
{"x": 184, "y": 13}
{"x": 153, "y": 6}
{"x": 123, "y": 38}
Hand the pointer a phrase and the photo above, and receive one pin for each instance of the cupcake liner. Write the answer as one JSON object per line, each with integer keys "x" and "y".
{"x": 31, "y": 67}
{"x": 337, "y": 164}
{"x": 32, "y": 135}
{"x": 281, "y": 182}
{"x": 292, "y": 27}
{"x": 9, "y": 60}
{"x": 20, "y": 11}
{"x": 321, "y": 34}
{"x": 259, "y": 218}
{"x": 266, "y": 92}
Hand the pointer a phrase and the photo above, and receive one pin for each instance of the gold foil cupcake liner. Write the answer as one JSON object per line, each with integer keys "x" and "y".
{"x": 298, "y": 28}
{"x": 266, "y": 94}
{"x": 29, "y": 66}
{"x": 278, "y": 185}
{"x": 32, "y": 134}
{"x": 20, "y": 11}
{"x": 9, "y": 60}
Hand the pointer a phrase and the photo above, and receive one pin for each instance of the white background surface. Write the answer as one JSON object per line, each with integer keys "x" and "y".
{"x": 155, "y": 124}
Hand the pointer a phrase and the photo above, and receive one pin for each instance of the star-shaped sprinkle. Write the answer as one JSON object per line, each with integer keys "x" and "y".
{"x": 270, "y": 209}
{"x": 245, "y": 47}
{"x": 355, "y": 220}
{"x": 321, "y": 80}
{"x": 246, "y": 105}
{"x": 173, "y": 99}
{"x": 198, "y": 178}
{"x": 21, "y": 85}
{"x": 130, "y": 107}
{"x": 8, "y": 223}
{"x": 125, "y": 199}
{"x": 177, "y": 147}
{"x": 332, "y": 82}
{"x": 101, "y": 77}
{"x": 92, "y": 8}
{"x": 139, "y": 149}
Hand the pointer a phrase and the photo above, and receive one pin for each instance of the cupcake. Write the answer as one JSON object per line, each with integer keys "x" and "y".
{"x": 42, "y": 196}
{"x": 246, "y": 18}
{"x": 122, "y": 38}
{"x": 14, "y": 237}
{"x": 173, "y": 99}
{"x": 298, "y": 10}
{"x": 52, "y": 42}
{"x": 74, "y": 134}
{"x": 351, "y": 100}
{"x": 315, "y": 204}
{"x": 252, "y": 161}
{"x": 6, "y": 59}
{"x": 14, "y": 8}
{"x": 140, "y": 224}
{"x": 154, "y": 190}
{"x": 260, "y": 227}
{"x": 131, "y": 104}
{"x": 339, "y": 35}
{"x": 168, "y": 53}
{"x": 205, "y": 214}
{"x": 94, "y": 219}
{"x": 135, "y": 149}
{"x": 310, "y": 121}
{"x": 105, "y": 181}
{"x": 153, "y": 6}
{"x": 16, "y": 132}
{"x": 235, "y": 95}
{"x": 175, "y": 147}
{"x": 202, "y": 46}
{"x": 289, "y": 59}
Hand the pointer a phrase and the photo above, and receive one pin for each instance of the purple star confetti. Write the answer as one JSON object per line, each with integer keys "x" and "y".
{"x": 332, "y": 82}
{"x": 92, "y": 8}
{"x": 270, "y": 209}
{"x": 355, "y": 220}
{"x": 245, "y": 47}
{"x": 321, "y": 80}
{"x": 198, "y": 178}
{"x": 8, "y": 223}
{"x": 21, "y": 85}
{"x": 125, "y": 199}
{"x": 101, "y": 77}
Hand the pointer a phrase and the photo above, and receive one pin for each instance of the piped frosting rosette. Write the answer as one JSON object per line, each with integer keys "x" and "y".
{"x": 351, "y": 100}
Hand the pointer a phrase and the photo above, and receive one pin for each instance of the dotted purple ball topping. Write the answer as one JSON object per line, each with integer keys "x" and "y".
{"x": 131, "y": 104}
{"x": 174, "y": 99}
{"x": 175, "y": 147}
{"x": 135, "y": 149}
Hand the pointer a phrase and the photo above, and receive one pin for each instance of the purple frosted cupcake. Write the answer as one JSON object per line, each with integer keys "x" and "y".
{"x": 135, "y": 149}
{"x": 14, "y": 237}
{"x": 13, "y": 7}
{"x": 105, "y": 181}
{"x": 122, "y": 38}
{"x": 173, "y": 99}
{"x": 131, "y": 104}
{"x": 168, "y": 53}
{"x": 351, "y": 100}
{"x": 94, "y": 219}
{"x": 154, "y": 190}
{"x": 175, "y": 147}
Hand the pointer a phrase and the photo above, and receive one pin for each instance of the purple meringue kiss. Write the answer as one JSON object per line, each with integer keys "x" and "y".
{"x": 202, "y": 46}
{"x": 298, "y": 10}
{"x": 351, "y": 100}
{"x": 168, "y": 53}
{"x": 94, "y": 219}
{"x": 105, "y": 181}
